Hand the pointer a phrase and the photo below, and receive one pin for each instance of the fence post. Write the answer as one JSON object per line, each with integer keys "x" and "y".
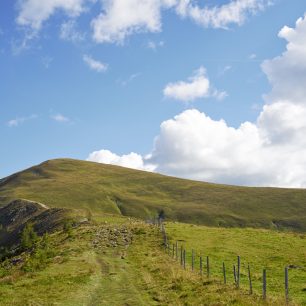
{"x": 181, "y": 255}
{"x": 176, "y": 250}
{"x": 224, "y": 273}
{"x": 238, "y": 271}
{"x": 173, "y": 246}
{"x": 235, "y": 276}
{"x": 286, "y": 285}
{"x": 184, "y": 259}
{"x": 264, "y": 284}
{"x": 250, "y": 280}
{"x": 201, "y": 265}
{"x": 192, "y": 260}
{"x": 207, "y": 266}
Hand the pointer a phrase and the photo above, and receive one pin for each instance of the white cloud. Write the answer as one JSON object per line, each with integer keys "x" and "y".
{"x": 132, "y": 160}
{"x": 69, "y": 32}
{"x": 122, "y": 18}
{"x": 94, "y": 64}
{"x": 197, "y": 86}
{"x": 268, "y": 152}
{"x": 119, "y": 19}
{"x": 234, "y": 12}
{"x": 287, "y": 73}
{"x": 155, "y": 45}
{"x": 32, "y": 13}
{"x": 60, "y": 118}
{"x": 20, "y": 120}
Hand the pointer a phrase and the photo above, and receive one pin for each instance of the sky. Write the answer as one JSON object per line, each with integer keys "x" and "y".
{"x": 211, "y": 90}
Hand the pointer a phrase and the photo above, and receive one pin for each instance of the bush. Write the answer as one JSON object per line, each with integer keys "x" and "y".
{"x": 41, "y": 255}
{"x": 28, "y": 237}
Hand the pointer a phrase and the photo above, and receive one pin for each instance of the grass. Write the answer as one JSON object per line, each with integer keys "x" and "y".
{"x": 98, "y": 188}
{"x": 96, "y": 265}
{"x": 259, "y": 247}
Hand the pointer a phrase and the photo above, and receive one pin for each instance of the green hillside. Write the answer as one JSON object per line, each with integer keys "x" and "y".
{"x": 117, "y": 190}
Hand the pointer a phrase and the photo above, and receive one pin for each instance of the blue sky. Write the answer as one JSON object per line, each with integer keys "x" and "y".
{"x": 76, "y": 79}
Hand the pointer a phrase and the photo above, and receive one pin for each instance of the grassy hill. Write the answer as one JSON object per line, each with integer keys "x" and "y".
{"x": 100, "y": 188}
{"x": 116, "y": 261}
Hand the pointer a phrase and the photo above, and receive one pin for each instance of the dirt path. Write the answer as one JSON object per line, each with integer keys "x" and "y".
{"x": 117, "y": 283}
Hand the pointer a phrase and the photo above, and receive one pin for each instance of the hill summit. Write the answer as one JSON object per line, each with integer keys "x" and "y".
{"x": 99, "y": 188}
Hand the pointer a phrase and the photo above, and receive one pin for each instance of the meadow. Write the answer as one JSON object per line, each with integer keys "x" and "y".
{"x": 93, "y": 265}
{"x": 260, "y": 248}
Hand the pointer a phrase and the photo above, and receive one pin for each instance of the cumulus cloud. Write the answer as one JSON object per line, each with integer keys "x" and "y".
{"x": 234, "y": 12}
{"x": 286, "y": 73}
{"x": 122, "y": 18}
{"x": 94, "y": 64}
{"x": 119, "y": 19}
{"x": 197, "y": 86}
{"x": 131, "y": 160}
{"x": 268, "y": 152}
{"x": 33, "y": 13}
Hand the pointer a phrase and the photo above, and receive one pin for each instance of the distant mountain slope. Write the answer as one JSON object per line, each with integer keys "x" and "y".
{"x": 117, "y": 190}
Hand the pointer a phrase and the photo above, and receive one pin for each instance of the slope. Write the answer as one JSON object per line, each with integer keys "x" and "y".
{"x": 100, "y": 188}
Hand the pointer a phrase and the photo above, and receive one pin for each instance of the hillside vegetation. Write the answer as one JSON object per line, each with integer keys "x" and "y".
{"x": 113, "y": 261}
{"x": 100, "y": 188}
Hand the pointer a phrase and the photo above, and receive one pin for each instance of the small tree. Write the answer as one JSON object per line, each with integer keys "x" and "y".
{"x": 28, "y": 237}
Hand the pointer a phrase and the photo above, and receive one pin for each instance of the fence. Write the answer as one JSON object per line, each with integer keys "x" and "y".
{"x": 178, "y": 252}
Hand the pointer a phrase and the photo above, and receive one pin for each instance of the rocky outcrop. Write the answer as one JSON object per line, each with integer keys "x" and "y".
{"x": 15, "y": 215}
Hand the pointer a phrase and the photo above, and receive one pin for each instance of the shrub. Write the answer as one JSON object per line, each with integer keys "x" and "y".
{"x": 28, "y": 237}
{"x": 41, "y": 255}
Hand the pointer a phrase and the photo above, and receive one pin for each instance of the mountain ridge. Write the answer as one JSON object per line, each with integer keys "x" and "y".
{"x": 100, "y": 188}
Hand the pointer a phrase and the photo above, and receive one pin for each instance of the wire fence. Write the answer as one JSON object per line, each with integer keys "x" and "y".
{"x": 198, "y": 263}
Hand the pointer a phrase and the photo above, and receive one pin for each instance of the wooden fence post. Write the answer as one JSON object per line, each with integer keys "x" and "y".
{"x": 250, "y": 280}
{"x": 201, "y": 265}
{"x": 264, "y": 284}
{"x": 184, "y": 259}
{"x": 235, "y": 275}
{"x": 181, "y": 255}
{"x": 192, "y": 260}
{"x": 207, "y": 266}
{"x": 238, "y": 271}
{"x": 176, "y": 250}
{"x": 286, "y": 285}
{"x": 224, "y": 273}
{"x": 173, "y": 247}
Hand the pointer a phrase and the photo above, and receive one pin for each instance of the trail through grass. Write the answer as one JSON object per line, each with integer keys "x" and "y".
{"x": 114, "y": 262}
